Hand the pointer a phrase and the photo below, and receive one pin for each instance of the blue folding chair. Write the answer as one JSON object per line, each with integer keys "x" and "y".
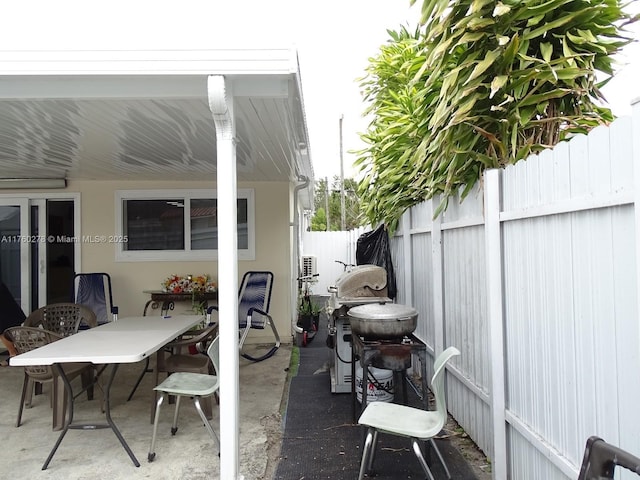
{"x": 254, "y": 299}
{"x": 94, "y": 291}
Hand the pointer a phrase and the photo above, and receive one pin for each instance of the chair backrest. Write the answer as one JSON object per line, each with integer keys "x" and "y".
{"x": 61, "y": 318}
{"x": 437, "y": 381}
{"x": 214, "y": 354}
{"x": 255, "y": 293}
{"x": 26, "y": 339}
{"x": 601, "y": 458}
{"x": 94, "y": 291}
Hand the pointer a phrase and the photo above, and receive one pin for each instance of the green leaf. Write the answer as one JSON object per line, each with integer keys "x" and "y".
{"x": 482, "y": 66}
{"x": 497, "y": 83}
{"x": 501, "y": 9}
{"x": 547, "y": 50}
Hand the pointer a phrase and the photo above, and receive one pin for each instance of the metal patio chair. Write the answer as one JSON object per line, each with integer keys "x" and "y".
{"x": 414, "y": 423}
{"x": 187, "y": 384}
{"x": 254, "y": 298}
{"x": 94, "y": 291}
{"x": 177, "y": 357}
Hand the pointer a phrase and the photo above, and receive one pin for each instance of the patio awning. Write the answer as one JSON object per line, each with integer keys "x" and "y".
{"x": 146, "y": 115}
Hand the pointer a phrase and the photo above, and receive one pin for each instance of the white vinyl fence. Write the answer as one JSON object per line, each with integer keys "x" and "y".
{"x": 534, "y": 278}
{"x": 327, "y": 247}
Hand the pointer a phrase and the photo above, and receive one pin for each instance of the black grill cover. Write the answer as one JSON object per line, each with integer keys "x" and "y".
{"x": 372, "y": 248}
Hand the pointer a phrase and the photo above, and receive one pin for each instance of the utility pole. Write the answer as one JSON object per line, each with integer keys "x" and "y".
{"x": 326, "y": 202}
{"x": 342, "y": 213}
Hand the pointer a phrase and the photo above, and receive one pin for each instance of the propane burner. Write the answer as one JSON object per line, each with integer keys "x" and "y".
{"x": 392, "y": 355}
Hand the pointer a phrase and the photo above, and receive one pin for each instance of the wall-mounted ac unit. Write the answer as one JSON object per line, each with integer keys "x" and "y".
{"x": 309, "y": 266}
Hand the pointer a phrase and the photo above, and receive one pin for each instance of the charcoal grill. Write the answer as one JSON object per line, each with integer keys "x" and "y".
{"x": 364, "y": 284}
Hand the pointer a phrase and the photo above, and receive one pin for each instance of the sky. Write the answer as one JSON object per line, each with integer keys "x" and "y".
{"x": 334, "y": 39}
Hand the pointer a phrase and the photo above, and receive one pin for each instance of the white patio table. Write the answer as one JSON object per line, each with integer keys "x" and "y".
{"x": 126, "y": 340}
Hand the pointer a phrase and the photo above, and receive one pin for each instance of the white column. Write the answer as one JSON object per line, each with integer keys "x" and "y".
{"x": 493, "y": 245}
{"x": 221, "y": 106}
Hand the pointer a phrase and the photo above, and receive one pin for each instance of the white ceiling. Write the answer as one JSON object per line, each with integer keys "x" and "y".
{"x": 147, "y": 127}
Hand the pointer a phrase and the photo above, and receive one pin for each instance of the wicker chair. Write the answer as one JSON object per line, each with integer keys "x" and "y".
{"x": 26, "y": 339}
{"x": 62, "y": 318}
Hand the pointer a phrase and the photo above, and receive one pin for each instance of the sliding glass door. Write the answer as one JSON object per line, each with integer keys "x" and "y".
{"x": 37, "y": 260}
{"x": 15, "y": 251}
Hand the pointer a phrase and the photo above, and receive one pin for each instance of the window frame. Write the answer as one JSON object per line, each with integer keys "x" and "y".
{"x": 187, "y": 254}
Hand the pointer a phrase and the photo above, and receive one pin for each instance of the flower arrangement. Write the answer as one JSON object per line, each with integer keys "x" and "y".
{"x": 189, "y": 284}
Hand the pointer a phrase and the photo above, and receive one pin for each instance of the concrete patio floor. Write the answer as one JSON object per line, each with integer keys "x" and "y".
{"x": 189, "y": 455}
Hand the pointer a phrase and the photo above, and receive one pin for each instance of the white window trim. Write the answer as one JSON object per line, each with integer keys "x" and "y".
{"x": 187, "y": 254}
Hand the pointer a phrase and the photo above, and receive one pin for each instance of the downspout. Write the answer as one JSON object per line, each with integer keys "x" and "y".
{"x": 296, "y": 253}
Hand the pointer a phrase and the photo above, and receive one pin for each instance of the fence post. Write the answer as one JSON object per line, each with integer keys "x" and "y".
{"x": 495, "y": 301}
{"x": 437, "y": 278}
{"x": 635, "y": 148}
{"x": 407, "y": 254}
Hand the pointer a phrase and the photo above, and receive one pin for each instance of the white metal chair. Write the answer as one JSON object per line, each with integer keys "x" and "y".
{"x": 187, "y": 384}
{"x": 414, "y": 423}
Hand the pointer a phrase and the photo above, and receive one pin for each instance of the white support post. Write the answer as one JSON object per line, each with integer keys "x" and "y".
{"x": 221, "y": 106}
{"x": 493, "y": 245}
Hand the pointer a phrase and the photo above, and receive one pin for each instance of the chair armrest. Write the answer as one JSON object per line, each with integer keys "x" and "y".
{"x": 209, "y": 310}
{"x": 194, "y": 336}
{"x": 262, "y": 313}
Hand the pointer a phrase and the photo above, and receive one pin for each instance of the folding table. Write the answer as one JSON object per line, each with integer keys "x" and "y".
{"x": 126, "y": 340}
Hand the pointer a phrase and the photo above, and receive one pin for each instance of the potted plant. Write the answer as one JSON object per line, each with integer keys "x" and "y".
{"x": 308, "y": 314}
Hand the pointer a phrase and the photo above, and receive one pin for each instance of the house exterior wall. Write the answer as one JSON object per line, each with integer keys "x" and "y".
{"x": 131, "y": 278}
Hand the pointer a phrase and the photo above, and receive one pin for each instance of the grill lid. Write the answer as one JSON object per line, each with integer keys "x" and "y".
{"x": 362, "y": 281}
{"x": 383, "y": 311}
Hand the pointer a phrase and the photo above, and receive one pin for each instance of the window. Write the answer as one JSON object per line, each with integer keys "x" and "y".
{"x": 154, "y": 226}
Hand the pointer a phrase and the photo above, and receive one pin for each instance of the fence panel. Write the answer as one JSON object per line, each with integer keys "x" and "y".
{"x": 568, "y": 350}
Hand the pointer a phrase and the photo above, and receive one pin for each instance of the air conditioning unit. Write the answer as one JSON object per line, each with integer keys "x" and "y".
{"x": 309, "y": 266}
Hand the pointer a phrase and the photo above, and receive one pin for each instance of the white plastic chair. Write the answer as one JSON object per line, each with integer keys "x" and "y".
{"x": 414, "y": 423}
{"x": 187, "y": 384}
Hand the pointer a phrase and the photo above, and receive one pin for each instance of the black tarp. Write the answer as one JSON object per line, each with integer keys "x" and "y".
{"x": 372, "y": 248}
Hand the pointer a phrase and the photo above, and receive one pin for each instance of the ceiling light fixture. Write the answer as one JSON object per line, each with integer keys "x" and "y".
{"x": 32, "y": 183}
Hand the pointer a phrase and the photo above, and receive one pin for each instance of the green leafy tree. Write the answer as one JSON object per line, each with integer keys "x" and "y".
{"x": 319, "y": 220}
{"x": 481, "y": 84}
{"x": 332, "y": 197}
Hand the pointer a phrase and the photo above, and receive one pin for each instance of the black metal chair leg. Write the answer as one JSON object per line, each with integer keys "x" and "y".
{"x": 145, "y": 370}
